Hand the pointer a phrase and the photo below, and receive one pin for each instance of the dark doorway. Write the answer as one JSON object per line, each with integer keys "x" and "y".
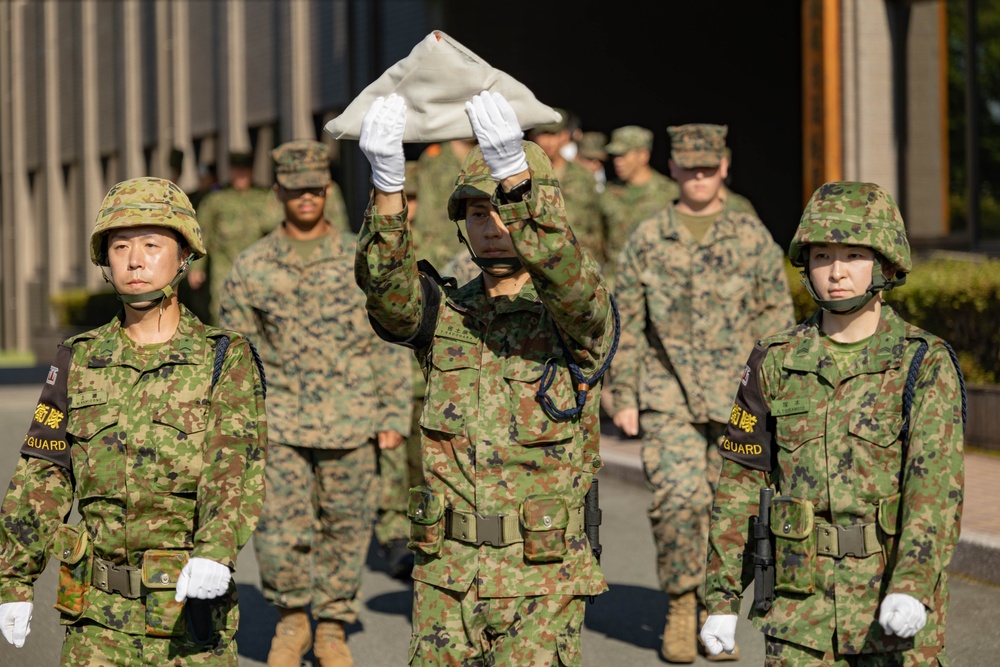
{"x": 660, "y": 64}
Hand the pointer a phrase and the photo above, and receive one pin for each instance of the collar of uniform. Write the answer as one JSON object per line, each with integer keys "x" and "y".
{"x": 282, "y": 251}
{"x": 471, "y": 298}
{"x": 188, "y": 345}
{"x": 723, "y": 228}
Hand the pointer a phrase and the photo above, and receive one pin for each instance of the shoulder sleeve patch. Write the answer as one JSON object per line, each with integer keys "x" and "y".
{"x": 748, "y": 436}
{"x": 46, "y": 438}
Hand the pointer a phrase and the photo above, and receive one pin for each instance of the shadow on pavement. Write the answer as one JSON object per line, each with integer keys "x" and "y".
{"x": 257, "y": 621}
{"x": 631, "y": 614}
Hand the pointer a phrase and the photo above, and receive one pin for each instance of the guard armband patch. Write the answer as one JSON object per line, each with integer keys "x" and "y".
{"x": 46, "y": 437}
{"x": 747, "y": 439}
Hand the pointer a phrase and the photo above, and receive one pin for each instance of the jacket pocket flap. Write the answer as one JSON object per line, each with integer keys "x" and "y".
{"x": 161, "y": 569}
{"x": 70, "y": 543}
{"x": 791, "y": 518}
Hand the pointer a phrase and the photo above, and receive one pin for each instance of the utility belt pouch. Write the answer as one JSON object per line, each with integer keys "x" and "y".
{"x": 544, "y": 519}
{"x": 71, "y": 547}
{"x": 426, "y": 512}
{"x": 794, "y": 544}
{"x": 160, "y": 570}
{"x": 888, "y": 514}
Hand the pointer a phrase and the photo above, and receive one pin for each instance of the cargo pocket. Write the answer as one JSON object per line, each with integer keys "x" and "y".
{"x": 425, "y": 511}
{"x": 794, "y": 545}
{"x": 888, "y": 525}
{"x": 160, "y": 571}
{"x": 569, "y": 650}
{"x": 529, "y": 423}
{"x": 71, "y": 547}
{"x": 544, "y": 519}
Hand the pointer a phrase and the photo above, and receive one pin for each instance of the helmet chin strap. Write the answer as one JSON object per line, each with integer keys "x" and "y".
{"x": 855, "y": 303}
{"x": 154, "y": 297}
{"x": 508, "y": 265}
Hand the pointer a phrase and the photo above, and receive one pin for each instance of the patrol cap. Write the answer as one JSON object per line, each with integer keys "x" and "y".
{"x": 145, "y": 201}
{"x": 302, "y": 164}
{"x": 553, "y": 128}
{"x": 697, "y": 144}
{"x": 628, "y": 138}
{"x": 592, "y": 146}
{"x": 240, "y": 159}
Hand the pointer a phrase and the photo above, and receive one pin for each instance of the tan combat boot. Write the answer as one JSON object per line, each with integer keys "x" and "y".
{"x": 679, "y": 643}
{"x": 292, "y": 638}
{"x": 331, "y": 645}
{"x": 722, "y": 657}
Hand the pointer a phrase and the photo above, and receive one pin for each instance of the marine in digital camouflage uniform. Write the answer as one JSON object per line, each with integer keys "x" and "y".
{"x": 820, "y": 418}
{"x": 234, "y": 217}
{"x": 695, "y": 285}
{"x": 337, "y": 393}
{"x": 488, "y": 446}
{"x": 164, "y": 455}
{"x": 638, "y": 191}
{"x": 434, "y": 235}
{"x": 583, "y": 207}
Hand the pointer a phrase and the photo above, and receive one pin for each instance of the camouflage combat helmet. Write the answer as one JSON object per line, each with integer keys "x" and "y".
{"x": 142, "y": 202}
{"x": 860, "y": 214}
{"x": 145, "y": 201}
{"x": 475, "y": 181}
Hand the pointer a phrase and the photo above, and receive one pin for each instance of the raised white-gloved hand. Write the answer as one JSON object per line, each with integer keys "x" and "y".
{"x": 499, "y": 134}
{"x": 15, "y": 621}
{"x": 902, "y": 615}
{"x": 719, "y": 633}
{"x": 202, "y": 578}
{"x": 381, "y": 141}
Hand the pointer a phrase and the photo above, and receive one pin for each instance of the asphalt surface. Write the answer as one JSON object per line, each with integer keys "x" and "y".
{"x": 622, "y": 627}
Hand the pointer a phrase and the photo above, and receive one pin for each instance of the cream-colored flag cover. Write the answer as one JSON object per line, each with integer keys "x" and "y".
{"x": 436, "y": 80}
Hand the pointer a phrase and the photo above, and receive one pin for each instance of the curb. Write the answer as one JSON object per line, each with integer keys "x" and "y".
{"x": 977, "y": 555}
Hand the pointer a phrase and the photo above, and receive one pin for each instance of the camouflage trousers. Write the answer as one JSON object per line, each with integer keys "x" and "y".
{"x": 315, "y": 527}
{"x": 92, "y": 645}
{"x": 778, "y": 653}
{"x": 462, "y": 630}
{"x": 682, "y": 466}
{"x": 398, "y": 470}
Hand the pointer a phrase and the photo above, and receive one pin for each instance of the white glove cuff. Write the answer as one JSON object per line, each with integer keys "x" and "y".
{"x": 389, "y": 182}
{"x": 515, "y": 164}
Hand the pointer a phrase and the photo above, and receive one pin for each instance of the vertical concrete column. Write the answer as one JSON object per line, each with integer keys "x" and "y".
{"x": 8, "y": 253}
{"x": 94, "y": 187}
{"x": 58, "y": 261}
{"x": 236, "y": 79}
{"x": 299, "y": 103}
{"x": 180, "y": 98}
{"x": 164, "y": 118}
{"x": 133, "y": 162}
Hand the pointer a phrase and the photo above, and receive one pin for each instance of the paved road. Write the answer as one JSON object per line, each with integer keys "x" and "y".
{"x": 622, "y": 627}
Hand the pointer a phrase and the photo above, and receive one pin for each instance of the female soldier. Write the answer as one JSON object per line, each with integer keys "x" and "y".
{"x": 866, "y": 464}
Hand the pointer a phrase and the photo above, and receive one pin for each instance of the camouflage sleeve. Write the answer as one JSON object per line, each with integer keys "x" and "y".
{"x": 386, "y": 271}
{"x": 335, "y": 209}
{"x": 394, "y": 383}
{"x": 934, "y": 480}
{"x": 729, "y": 571}
{"x": 39, "y": 497}
{"x": 775, "y": 311}
{"x": 231, "y": 489}
{"x": 568, "y": 281}
{"x": 206, "y": 220}
{"x": 235, "y": 311}
{"x": 632, "y": 346}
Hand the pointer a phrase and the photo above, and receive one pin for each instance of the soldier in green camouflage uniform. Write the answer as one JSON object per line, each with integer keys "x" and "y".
{"x": 695, "y": 285}
{"x": 820, "y": 417}
{"x": 155, "y": 425}
{"x": 638, "y": 192}
{"x": 337, "y": 394}
{"x": 434, "y": 235}
{"x": 503, "y": 563}
{"x": 583, "y": 207}
{"x": 234, "y": 217}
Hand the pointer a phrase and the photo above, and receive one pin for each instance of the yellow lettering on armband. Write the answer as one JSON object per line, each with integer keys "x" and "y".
{"x": 39, "y": 443}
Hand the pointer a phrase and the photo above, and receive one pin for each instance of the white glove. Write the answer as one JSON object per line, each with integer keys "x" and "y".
{"x": 499, "y": 134}
{"x": 902, "y": 615}
{"x": 719, "y": 633}
{"x": 381, "y": 141}
{"x": 203, "y": 579}
{"x": 15, "y": 621}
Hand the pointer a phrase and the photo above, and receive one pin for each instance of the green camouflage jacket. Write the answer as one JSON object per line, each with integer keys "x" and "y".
{"x": 835, "y": 441}
{"x": 625, "y": 206}
{"x": 583, "y": 207}
{"x": 332, "y": 383}
{"x": 738, "y": 202}
{"x": 691, "y": 309}
{"x": 487, "y": 445}
{"x": 435, "y": 237}
{"x": 159, "y": 459}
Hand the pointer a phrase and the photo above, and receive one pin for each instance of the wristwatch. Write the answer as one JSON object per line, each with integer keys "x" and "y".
{"x": 517, "y": 192}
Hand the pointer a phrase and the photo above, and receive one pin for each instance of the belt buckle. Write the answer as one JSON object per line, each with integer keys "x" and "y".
{"x": 120, "y": 580}
{"x": 851, "y": 541}
{"x": 489, "y": 530}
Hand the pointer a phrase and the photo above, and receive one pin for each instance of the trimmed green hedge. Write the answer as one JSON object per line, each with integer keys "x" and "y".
{"x": 956, "y": 299}
{"x": 80, "y": 308}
